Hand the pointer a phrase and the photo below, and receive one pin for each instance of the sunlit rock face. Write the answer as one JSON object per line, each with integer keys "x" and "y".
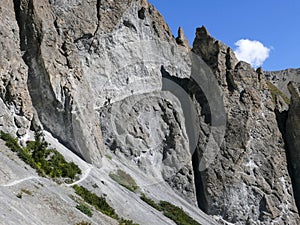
{"x": 250, "y": 172}
{"x": 108, "y": 77}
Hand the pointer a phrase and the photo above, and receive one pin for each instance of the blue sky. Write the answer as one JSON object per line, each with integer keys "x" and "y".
{"x": 273, "y": 23}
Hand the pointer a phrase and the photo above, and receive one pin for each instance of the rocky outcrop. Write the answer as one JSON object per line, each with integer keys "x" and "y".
{"x": 108, "y": 77}
{"x": 182, "y": 40}
{"x": 248, "y": 181}
{"x": 281, "y": 78}
{"x": 293, "y": 138}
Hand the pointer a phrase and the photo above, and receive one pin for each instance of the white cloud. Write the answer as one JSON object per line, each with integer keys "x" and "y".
{"x": 251, "y": 51}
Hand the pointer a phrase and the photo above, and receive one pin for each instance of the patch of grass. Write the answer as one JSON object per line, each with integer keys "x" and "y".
{"x": 124, "y": 179}
{"x": 47, "y": 162}
{"x": 26, "y": 191}
{"x": 276, "y": 92}
{"x": 171, "y": 211}
{"x": 85, "y": 209}
{"x": 98, "y": 202}
{"x": 108, "y": 156}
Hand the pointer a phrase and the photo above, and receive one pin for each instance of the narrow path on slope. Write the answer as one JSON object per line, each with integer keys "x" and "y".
{"x": 85, "y": 175}
{"x": 19, "y": 181}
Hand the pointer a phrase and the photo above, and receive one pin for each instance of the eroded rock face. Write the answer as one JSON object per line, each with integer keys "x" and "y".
{"x": 82, "y": 55}
{"x": 82, "y": 68}
{"x": 58, "y": 89}
{"x": 150, "y": 130}
{"x": 248, "y": 181}
{"x": 15, "y": 100}
{"x": 293, "y": 137}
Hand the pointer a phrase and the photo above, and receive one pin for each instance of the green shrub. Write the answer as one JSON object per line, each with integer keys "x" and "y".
{"x": 83, "y": 223}
{"x": 19, "y": 195}
{"x": 150, "y": 202}
{"x": 108, "y": 156}
{"x": 98, "y": 202}
{"x": 171, "y": 211}
{"x": 124, "y": 179}
{"x": 11, "y": 142}
{"x": 47, "y": 162}
{"x": 176, "y": 214}
{"x": 85, "y": 209}
{"x": 126, "y": 222}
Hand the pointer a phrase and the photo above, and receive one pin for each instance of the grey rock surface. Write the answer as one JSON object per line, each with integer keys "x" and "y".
{"x": 15, "y": 100}
{"x": 42, "y": 201}
{"x": 106, "y": 78}
{"x": 58, "y": 89}
{"x": 182, "y": 40}
{"x": 150, "y": 130}
{"x": 249, "y": 180}
{"x": 281, "y": 78}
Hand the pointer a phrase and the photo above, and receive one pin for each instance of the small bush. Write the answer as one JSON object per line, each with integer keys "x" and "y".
{"x": 95, "y": 185}
{"x": 85, "y": 209}
{"x": 25, "y": 191}
{"x": 124, "y": 179}
{"x": 83, "y": 223}
{"x": 108, "y": 156}
{"x": 171, "y": 211}
{"x": 177, "y": 214}
{"x": 19, "y": 195}
{"x": 11, "y": 142}
{"x": 151, "y": 202}
{"x": 126, "y": 222}
{"x": 98, "y": 202}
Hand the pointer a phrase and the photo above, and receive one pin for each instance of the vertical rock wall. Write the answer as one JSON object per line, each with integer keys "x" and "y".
{"x": 58, "y": 89}
{"x": 293, "y": 138}
{"x": 248, "y": 181}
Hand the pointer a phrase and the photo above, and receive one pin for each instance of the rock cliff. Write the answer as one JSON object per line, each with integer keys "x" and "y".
{"x": 293, "y": 138}
{"x": 250, "y": 172}
{"x": 192, "y": 126}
